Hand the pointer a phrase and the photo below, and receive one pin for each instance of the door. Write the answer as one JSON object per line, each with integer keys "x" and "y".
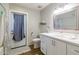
{"x": 14, "y": 43}
{"x": 2, "y": 28}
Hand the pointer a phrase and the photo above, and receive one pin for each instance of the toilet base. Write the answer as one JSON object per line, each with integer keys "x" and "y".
{"x": 36, "y": 42}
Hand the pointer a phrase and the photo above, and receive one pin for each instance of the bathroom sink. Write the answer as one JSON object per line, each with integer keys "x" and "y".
{"x": 54, "y": 34}
{"x": 69, "y": 36}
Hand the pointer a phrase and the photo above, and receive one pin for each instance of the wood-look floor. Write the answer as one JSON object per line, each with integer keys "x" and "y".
{"x": 33, "y": 51}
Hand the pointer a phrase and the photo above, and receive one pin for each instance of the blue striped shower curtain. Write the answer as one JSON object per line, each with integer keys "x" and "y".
{"x": 18, "y": 27}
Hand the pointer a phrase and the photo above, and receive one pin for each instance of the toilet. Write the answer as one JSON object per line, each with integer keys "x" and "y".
{"x": 36, "y": 40}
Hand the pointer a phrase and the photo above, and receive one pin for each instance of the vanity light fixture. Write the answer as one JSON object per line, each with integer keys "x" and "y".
{"x": 66, "y": 7}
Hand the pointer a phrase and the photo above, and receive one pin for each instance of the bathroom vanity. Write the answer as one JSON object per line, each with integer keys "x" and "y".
{"x": 62, "y": 43}
{"x": 59, "y": 43}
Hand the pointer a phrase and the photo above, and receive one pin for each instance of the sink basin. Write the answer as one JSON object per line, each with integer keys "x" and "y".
{"x": 54, "y": 33}
{"x": 69, "y": 36}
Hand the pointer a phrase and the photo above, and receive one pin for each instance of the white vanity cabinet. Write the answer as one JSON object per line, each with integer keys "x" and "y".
{"x": 55, "y": 47}
{"x": 50, "y": 46}
{"x": 72, "y": 49}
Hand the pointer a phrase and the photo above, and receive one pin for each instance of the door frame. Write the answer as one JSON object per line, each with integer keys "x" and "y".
{"x": 25, "y": 14}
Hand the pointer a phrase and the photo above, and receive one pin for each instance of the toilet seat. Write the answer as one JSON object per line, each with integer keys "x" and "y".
{"x": 36, "y": 39}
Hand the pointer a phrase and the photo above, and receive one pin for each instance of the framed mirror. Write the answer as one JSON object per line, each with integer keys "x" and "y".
{"x": 66, "y": 21}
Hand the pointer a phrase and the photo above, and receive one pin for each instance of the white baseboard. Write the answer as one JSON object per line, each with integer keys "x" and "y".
{"x": 20, "y": 50}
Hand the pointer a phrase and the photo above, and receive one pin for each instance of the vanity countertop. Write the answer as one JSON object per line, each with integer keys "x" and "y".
{"x": 65, "y": 37}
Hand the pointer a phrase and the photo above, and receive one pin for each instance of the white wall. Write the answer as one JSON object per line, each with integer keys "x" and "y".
{"x": 33, "y": 20}
{"x": 47, "y": 16}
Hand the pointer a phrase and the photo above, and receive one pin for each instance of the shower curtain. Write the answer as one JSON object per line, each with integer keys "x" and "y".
{"x": 18, "y": 32}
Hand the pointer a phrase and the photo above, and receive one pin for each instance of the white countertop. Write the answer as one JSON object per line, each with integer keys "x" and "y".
{"x": 66, "y": 37}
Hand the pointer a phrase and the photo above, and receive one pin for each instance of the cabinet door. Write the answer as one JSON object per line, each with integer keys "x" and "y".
{"x": 72, "y": 50}
{"x": 60, "y": 47}
{"x": 43, "y": 44}
{"x": 50, "y": 46}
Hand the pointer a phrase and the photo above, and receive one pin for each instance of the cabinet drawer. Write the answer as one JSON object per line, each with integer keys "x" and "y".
{"x": 72, "y": 50}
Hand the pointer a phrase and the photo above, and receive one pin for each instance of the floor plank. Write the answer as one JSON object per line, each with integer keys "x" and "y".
{"x": 33, "y": 51}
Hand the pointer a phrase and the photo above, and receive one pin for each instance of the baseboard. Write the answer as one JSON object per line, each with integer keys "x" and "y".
{"x": 19, "y": 51}
{"x": 23, "y": 52}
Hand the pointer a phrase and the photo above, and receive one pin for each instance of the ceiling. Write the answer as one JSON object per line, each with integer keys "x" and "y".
{"x": 35, "y": 6}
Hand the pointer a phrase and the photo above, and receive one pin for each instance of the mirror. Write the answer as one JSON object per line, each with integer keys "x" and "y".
{"x": 66, "y": 21}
